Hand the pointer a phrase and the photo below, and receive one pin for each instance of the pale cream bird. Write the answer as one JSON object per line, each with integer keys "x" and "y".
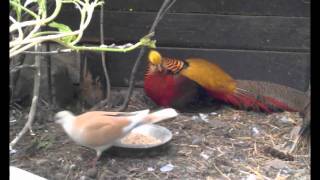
{"x": 99, "y": 130}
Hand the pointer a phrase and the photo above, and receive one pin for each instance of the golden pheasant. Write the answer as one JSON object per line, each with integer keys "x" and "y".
{"x": 173, "y": 82}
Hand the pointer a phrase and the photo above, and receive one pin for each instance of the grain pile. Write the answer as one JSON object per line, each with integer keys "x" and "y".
{"x": 138, "y": 138}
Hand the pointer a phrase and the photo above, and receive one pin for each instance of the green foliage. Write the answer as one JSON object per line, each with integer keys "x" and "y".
{"x": 62, "y": 34}
{"x": 63, "y": 28}
{"x": 43, "y": 142}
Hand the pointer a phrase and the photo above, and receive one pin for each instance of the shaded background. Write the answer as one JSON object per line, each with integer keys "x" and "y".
{"x": 267, "y": 40}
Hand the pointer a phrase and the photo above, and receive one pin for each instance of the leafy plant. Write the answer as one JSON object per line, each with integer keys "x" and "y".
{"x": 22, "y": 40}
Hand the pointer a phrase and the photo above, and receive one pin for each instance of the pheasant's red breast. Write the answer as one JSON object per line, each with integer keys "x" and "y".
{"x": 169, "y": 90}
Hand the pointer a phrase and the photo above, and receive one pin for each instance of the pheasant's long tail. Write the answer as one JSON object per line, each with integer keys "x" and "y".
{"x": 264, "y": 96}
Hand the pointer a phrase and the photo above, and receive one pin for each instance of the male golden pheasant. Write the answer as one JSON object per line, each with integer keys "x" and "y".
{"x": 175, "y": 83}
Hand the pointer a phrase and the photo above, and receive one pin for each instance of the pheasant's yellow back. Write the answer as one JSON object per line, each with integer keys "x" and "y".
{"x": 209, "y": 76}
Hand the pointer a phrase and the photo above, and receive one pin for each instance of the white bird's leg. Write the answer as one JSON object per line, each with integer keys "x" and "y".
{"x": 95, "y": 160}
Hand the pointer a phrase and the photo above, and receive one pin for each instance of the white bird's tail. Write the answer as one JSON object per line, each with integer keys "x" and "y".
{"x": 143, "y": 117}
{"x": 161, "y": 115}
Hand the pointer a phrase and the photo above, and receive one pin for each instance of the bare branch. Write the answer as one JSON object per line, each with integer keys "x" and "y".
{"x": 162, "y": 11}
{"x": 48, "y": 59}
{"x": 36, "y": 88}
{"x": 17, "y": 68}
{"x": 105, "y": 102}
{"x": 58, "y": 51}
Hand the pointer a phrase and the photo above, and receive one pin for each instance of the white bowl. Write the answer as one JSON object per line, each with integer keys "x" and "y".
{"x": 156, "y": 131}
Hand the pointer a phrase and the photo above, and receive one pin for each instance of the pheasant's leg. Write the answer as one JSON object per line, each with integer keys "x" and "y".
{"x": 301, "y": 141}
{"x": 295, "y": 144}
{"x": 303, "y": 137}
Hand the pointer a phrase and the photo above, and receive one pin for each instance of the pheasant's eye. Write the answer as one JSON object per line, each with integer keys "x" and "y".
{"x": 154, "y": 57}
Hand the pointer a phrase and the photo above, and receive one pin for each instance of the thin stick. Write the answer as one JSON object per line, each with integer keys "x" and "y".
{"x": 162, "y": 11}
{"x": 106, "y": 101}
{"x": 33, "y": 108}
{"x": 189, "y": 145}
{"x": 48, "y": 58}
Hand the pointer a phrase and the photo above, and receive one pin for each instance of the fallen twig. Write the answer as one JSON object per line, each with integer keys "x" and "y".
{"x": 214, "y": 164}
{"x": 257, "y": 173}
{"x": 189, "y": 145}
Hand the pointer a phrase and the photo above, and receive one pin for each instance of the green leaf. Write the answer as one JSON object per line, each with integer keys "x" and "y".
{"x": 17, "y": 9}
{"x": 146, "y": 41}
{"x": 60, "y": 27}
{"x": 63, "y": 28}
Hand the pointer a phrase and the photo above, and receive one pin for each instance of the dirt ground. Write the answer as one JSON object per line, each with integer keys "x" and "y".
{"x": 219, "y": 144}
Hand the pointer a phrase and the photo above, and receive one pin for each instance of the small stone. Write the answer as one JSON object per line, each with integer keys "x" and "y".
{"x": 167, "y": 168}
{"x": 105, "y": 175}
{"x": 85, "y": 178}
{"x": 204, "y": 156}
{"x": 251, "y": 177}
{"x": 196, "y": 141}
{"x": 92, "y": 172}
{"x": 195, "y": 118}
{"x": 150, "y": 169}
{"x": 285, "y": 119}
{"x": 66, "y": 167}
{"x": 255, "y": 131}
{"x": 213, "y": 113}
{"x": 60, "y": 176}
{"x": 13, "y": 151}
{"x": 61, "y": 160}
{"x": 276, "y": 163}
{"x": 217, "y": 124}
{"x": 209, "y": 178}
{"x": 73, "y": 166}
{"x": 12, "y": 120}
{"x": 41, "y": 161}
{"x": 79, "y": 158}
{"x": 204, "y": 117}
{"x": 206, "y": 143}
{"x": 236, "y": 117}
